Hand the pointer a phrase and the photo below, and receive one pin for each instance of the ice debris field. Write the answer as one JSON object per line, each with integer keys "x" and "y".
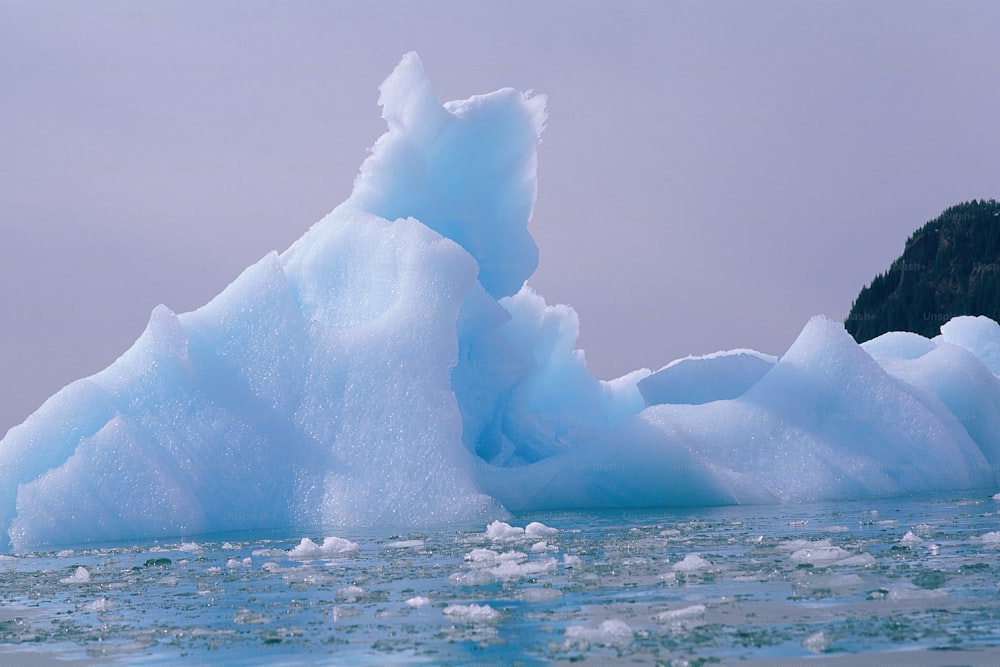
{"x": 878, "y": 581}
{"x": 393, "y": 368}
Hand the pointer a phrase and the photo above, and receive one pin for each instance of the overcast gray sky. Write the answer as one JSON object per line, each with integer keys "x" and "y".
{"x": 712, "y": 174}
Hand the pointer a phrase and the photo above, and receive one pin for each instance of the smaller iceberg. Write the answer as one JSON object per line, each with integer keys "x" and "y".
{"x": 394, "y": 368}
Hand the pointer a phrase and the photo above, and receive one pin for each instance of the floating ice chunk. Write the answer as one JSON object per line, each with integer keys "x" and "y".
{"x": 539, "y": 594}
{"x": 797, "y": 544}
{"x": 488, "y": 565}
{"x": 473, "y": 578}
{"x": 513, "y": 570}
{"x": 489, "y": 558}
{"x": 569, "y": 560}
{"x": 817, "y": 642}
{"x": 192, "y": 547}
{"x": 834, "y": 529}
{"x": 405, "y": 544}
{"x": 269, "y": 553}
{"x": 246, "y": 616}
{"x": 822, "y": 553}
{"x": 613, "y": 632}
{"x": 307, "y": 575}
{"x": 910, "y": 540}
{"x": 499, "y": 531}
{"x": 233, "y": 562}
{"x": 332, "y": 546}
{"x": 472, "y": 613}
{"x": 350, "y": 593}
{"x": 80, "y": 576}
{"x": 483, "y": 557}
{"x": 672, "y": 616}
{"x": 991, "y": 538}
{"x": 340, "y": 612}
{"x": 537, "y": 529}
{"x": 101, "y": 605}
{"x": 857, "y": 560}
{"x": 692, "y": 563}
{"x": 669, "y": 577}
{"x": 906, "y": 594}
{"x": 819, "y": 555}
{"x": 418, "y": 601}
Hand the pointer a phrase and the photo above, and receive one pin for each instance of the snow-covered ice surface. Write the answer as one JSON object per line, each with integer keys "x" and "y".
{"x": 738, "y": 585}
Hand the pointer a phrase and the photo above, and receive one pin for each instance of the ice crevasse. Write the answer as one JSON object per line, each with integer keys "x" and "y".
{"x": 392, "y": 367}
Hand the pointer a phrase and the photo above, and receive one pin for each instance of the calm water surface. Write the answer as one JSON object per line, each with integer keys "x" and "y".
{"x": 871, "y": 582}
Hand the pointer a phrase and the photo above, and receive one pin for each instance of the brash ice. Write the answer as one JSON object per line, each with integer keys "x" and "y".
{"x": 392, "y": 367}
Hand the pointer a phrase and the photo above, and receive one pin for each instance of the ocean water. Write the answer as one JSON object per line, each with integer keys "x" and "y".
{"x": 899, "y": 581}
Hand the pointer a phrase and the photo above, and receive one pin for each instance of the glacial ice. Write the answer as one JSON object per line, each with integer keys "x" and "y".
{"x": 472, "y": 613}
{"x": 679, "y": 616}
{"x": 330, "y": 548}
{"x": 692, "y": 563}
{"x": 707, "y": 378}
{"x": 612, "y": 632}
{"x": 393, "y": 368}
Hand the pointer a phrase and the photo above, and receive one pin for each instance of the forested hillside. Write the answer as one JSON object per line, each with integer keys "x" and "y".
{"x": 949, "y": 267}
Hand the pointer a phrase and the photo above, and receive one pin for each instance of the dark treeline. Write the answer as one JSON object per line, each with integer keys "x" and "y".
{"x": 949, "y": 267}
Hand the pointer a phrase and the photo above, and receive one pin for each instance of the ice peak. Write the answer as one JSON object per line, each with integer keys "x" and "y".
{"x": 466, "y": 169}
{"x": 407, "y": 97}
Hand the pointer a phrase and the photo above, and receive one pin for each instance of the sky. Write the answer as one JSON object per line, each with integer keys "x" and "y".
{"x": 712, "y": 174}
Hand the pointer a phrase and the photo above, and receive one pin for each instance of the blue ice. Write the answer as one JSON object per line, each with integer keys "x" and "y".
{"x": 393, "y": 367}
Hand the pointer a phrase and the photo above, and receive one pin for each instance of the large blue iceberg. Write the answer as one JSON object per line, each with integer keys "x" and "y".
{"x": 392, "y": 367}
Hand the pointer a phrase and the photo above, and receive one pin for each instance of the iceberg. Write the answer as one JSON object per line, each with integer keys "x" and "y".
{"x": 394, "y": 368}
